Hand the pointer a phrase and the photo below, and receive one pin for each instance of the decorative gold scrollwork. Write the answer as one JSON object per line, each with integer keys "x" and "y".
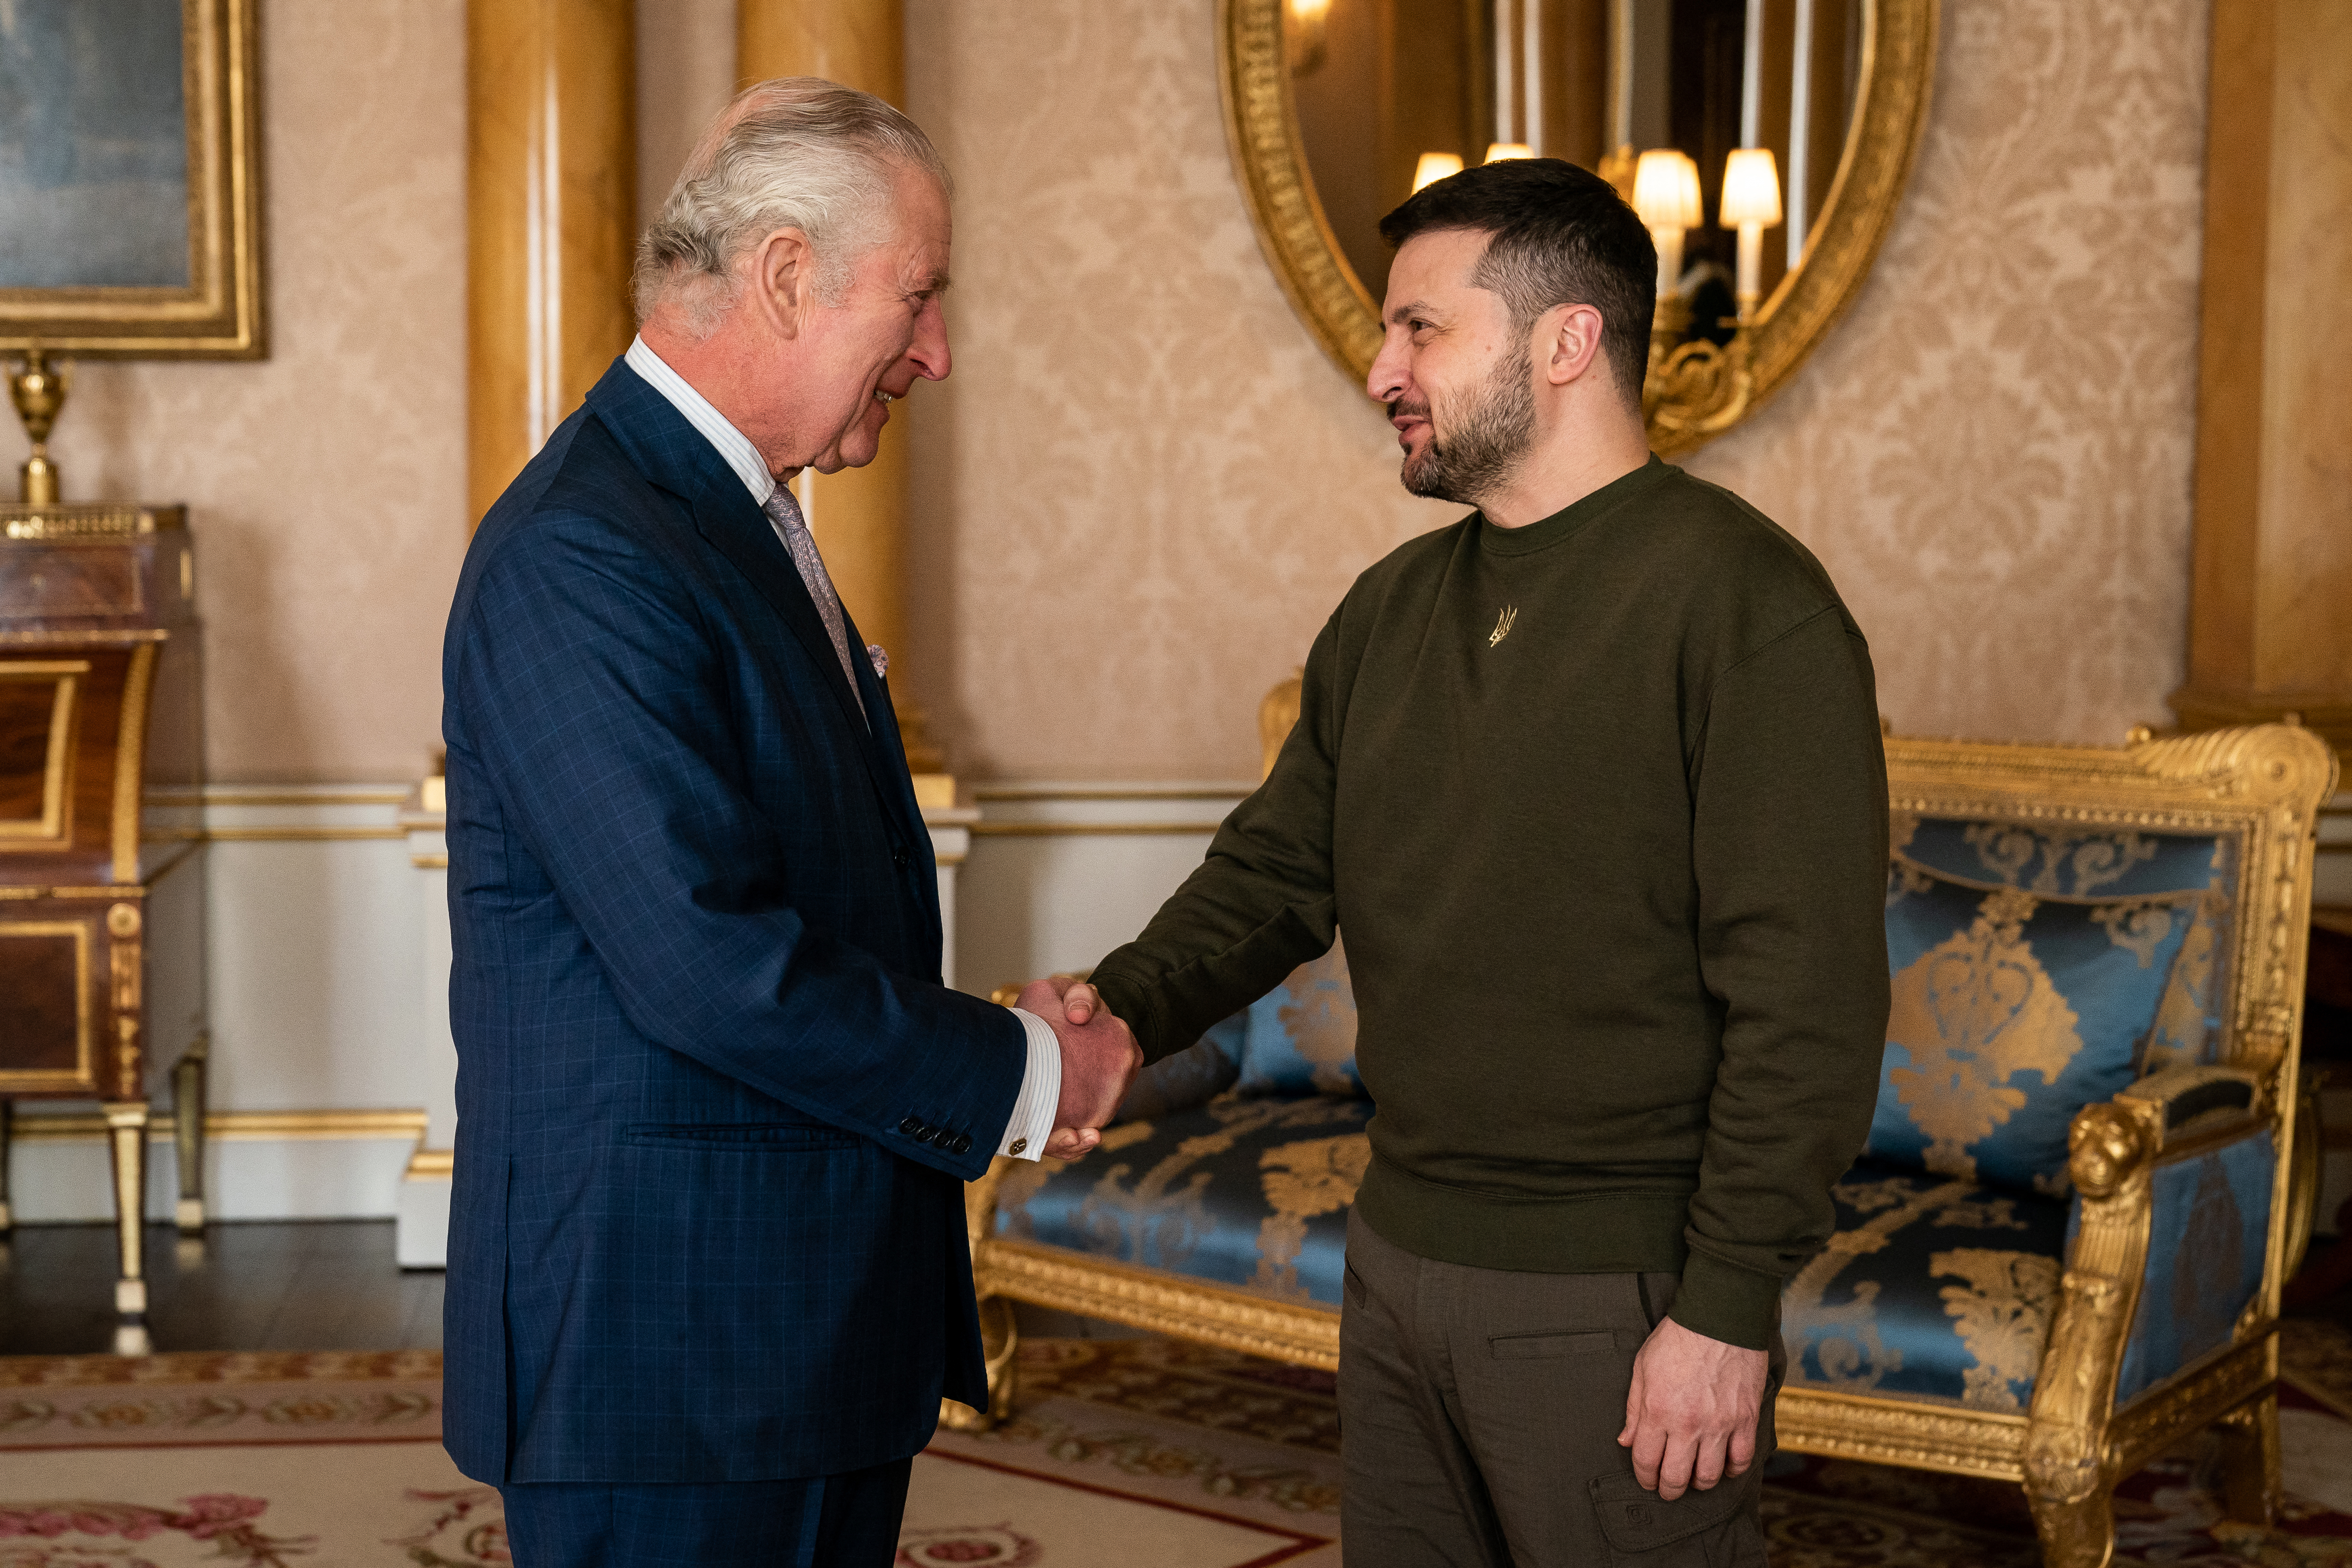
{"x": 1697, "y": 389}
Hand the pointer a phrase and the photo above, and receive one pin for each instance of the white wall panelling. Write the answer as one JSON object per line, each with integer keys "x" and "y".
{"x": 1062, "y": 874}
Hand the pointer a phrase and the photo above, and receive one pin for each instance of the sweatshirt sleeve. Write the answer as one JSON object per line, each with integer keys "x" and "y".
{"x": 1260, "y": 904}
{"x": 1788, "y": 846}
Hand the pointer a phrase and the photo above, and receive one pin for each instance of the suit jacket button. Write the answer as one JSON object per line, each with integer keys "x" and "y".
{"x": 925, "y": 1134}
{"x": 899, "y": 858}
{"x": 912, "y": 1128}
{"x": 962, "y": 1144}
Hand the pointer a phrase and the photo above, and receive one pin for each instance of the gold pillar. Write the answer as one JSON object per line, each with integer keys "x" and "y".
{"x": 551, "y": 198}
{"x": 2269, "y": 621}
{"x": 859, "y": 515}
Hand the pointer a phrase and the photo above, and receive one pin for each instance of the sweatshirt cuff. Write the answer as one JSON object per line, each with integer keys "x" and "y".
{"x": 1127, "y": 1004}
{"x": 1726, "y": 1301}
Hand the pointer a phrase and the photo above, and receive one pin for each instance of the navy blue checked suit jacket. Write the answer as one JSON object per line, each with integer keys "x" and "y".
{"x": 714, "y": 1106}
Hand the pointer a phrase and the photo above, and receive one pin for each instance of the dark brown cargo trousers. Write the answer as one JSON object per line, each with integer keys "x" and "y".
{"x": 1479, "y": 1410}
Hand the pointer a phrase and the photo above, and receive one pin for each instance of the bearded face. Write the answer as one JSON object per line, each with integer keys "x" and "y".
{"x": 1478, "y": 435}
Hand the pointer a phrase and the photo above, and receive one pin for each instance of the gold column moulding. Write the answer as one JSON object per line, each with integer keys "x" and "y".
{"x": 858, "y": 515}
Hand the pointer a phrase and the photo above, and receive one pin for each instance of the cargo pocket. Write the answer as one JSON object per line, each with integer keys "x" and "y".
{"x": 1712, "y": 1528}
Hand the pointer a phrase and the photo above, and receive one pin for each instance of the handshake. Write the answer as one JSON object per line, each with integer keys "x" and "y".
{"x": 1099, "y": 1059}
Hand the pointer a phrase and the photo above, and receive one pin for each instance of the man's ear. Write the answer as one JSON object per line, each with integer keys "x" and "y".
{"x": 1572, "y": 342}
{"x": 784, "y": 281}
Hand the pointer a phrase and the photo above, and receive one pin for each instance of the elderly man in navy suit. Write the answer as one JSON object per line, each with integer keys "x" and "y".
{"x": 708, "y": 1275}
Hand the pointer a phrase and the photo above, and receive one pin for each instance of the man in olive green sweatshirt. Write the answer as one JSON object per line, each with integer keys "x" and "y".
{"x": 1592, "y": 780}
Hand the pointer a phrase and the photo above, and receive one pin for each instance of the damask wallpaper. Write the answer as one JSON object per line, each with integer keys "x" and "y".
{"x": 1992, "y": 454}
{"x": 326, "y": 484}
{"x": 1144, "y": 487}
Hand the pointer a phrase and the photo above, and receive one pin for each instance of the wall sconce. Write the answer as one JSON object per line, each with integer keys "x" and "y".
{"x": 1751, "y": 204}
{"x": 1306, "y": 19}
{"x": 1497, "y": 152}
{"x": 1665, "y": 196}
{"x": 1693, "y": 385}
{"x": 1434, "y": 167}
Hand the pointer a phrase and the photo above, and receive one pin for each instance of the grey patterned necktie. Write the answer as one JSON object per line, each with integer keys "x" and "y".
{"x": 784, "y": 512}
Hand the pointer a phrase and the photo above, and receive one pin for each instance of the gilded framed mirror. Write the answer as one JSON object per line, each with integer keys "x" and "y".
{"x": 1765, "y": 142}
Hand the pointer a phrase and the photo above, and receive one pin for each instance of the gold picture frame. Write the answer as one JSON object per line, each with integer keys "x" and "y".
{"x": 217, "y": 313}
{"x": 1898, "y": 60}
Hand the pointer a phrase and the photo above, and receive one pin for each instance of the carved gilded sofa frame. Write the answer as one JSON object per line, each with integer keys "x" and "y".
{"x": 2260, "y": 787}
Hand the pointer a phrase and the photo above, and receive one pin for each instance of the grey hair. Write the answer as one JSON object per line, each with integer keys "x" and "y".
{"x": 792, "y": 152}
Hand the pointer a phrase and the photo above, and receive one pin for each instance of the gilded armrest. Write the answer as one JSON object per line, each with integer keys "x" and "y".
{"x": 2117, "y": 1150}
{"x": 2193, "y": 1102}
{"x": 2112, "y": 1153}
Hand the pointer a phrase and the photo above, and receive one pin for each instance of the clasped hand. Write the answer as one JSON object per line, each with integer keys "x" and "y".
{"x": 1099, "y": 1060}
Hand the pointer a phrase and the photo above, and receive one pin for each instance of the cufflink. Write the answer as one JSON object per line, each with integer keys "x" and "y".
{"x": 1019, "y": 1146}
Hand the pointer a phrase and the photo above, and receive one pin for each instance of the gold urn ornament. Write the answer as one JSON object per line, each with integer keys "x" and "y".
{"x": 38, "y": 389}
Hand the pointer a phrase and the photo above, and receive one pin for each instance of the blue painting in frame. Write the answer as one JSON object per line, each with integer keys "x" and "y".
{"x": 93, "y": 145}
{"x": 130, "y": 178}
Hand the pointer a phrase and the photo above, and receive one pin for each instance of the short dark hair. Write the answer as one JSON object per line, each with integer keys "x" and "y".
{"x": 1556, "y": 234}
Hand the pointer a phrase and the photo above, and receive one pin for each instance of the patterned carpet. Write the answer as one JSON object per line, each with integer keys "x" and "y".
{"x": 1140, "y": 1453}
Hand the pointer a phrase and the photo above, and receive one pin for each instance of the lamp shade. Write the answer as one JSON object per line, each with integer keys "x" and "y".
{"x": 1751, "y": 188}
{"x": 1499, "y": 151}
{"x": 1434, "y": 167}
{"x": 1665, "y": 189}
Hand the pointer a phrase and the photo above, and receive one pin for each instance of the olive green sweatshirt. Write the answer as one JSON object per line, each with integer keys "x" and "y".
{"x": 1601, "y": 806}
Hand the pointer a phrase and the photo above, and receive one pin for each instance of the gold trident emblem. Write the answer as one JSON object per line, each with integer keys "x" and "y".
{"x": 1503, "y": 624}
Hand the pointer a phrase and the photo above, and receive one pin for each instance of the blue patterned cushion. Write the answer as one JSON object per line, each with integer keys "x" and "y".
{"x": 2104, "y": 864}
{"x": 1249, "y": 1193}
{"x": 2207, "y": 1240}
{"x": 1932, "y": 1289}
{"x": 2012, "y": 1010}
{"x": 1301, "y": 1036}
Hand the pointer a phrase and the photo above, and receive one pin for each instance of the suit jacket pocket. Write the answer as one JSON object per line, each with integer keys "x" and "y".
{"x": 738, "y": 1138}
{"x": 1716, "y": 1528}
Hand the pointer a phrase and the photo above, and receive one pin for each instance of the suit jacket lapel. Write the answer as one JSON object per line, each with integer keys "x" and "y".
{"x": 877, "y": 693}
{"x": 673, "y": 455}
{"x": 724, "y": 515}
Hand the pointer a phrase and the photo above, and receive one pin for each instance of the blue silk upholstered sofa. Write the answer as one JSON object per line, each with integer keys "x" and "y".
{"x": 2085, "y": 1184}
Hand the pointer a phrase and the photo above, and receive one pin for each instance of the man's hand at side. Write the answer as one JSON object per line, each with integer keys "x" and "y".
{"x": 1099, "y": 1060}
{"x": 1690, "y": 1416}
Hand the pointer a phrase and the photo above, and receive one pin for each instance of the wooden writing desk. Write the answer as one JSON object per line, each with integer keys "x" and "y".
{"x": 101, "y": 896}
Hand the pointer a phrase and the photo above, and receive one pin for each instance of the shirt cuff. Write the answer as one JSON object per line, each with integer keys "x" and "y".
{"x": 1041, "y": 1092}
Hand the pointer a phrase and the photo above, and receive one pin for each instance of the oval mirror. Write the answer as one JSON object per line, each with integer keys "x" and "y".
{"x": 1765, "y": 142}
